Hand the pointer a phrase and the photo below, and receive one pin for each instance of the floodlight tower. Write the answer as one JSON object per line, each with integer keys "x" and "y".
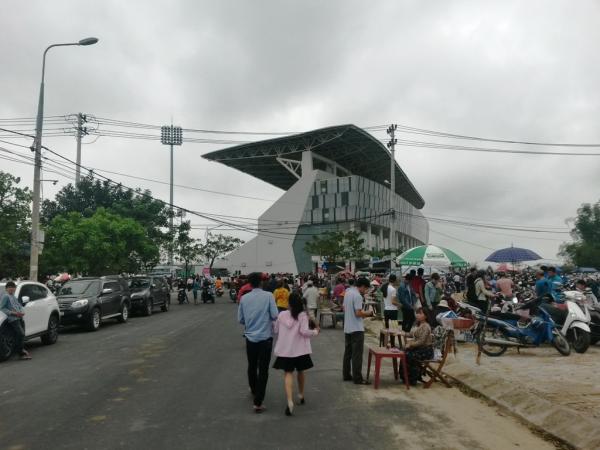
{"x": 392, "y": 146}
{"x": 171, "y": 135}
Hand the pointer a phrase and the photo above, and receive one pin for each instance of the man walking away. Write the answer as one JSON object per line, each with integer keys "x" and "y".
{"x": 354, "y": 330}
{"x": 311, "y": 296}
{"x": 10, "y": 306}
{"x": 256, "y": 312}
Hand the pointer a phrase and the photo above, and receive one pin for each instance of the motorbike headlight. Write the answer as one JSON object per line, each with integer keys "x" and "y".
{"x": 79, "y": 303}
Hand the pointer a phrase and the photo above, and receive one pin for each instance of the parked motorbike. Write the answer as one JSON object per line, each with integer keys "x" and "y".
{"x": 573, "y": 319}
{"x": 495, "y": 333}
{"x": 182, "y": 296}
{"x": 207, "y": 294}
{"x": 594, "y": 325}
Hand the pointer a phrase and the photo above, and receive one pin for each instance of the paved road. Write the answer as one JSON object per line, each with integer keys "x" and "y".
{"x": 177, "y": 380}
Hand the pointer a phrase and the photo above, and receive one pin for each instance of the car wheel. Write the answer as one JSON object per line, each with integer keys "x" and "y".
{"x": 148, "y": 307}
{"x": 51, "y": 335}
{"x": 166, "y": 305}
{"x": 124, "y": 313}
{"x": 95, "y": 320}
{"x": 7, "y": 343}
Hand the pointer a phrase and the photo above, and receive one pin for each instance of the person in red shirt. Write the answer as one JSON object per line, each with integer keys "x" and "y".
{"x": 417, "y": 283}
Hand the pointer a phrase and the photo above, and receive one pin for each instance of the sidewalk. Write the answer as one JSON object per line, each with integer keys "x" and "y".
{"x": 560, "y": 395}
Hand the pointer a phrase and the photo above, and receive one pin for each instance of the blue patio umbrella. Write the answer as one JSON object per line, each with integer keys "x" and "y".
{"x": 513, "y": 255}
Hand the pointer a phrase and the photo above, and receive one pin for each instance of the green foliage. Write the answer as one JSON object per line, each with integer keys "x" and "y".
{"x": 91, "y": 194}
{"x": 103, "y": 243}
{"x": 381, "y": 253}
{"x": 219, "y": 245}
{"x": 337, "y": 245}
{"x": 585, "y": 250}
{"x": 15, "y": 227}
{"x": 186, "y": 248}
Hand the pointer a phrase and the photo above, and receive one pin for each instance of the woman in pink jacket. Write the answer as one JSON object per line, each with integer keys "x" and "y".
{"x": 293, "y": 347}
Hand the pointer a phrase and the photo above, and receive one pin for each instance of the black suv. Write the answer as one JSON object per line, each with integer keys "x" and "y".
{"x": 148, "y": 292}
{"x": 88, "y": 301}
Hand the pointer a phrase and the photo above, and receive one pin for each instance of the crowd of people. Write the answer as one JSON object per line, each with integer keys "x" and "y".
{"x": 285, "y": 307}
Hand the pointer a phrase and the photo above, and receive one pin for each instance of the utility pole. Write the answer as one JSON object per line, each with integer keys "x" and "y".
{"x": 392, "y": 146}
{"x": 81, "y": 131}
{"x": 171, "y": 135}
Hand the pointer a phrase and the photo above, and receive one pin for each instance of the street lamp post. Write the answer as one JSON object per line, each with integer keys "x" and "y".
{"x": 35, "y": 207}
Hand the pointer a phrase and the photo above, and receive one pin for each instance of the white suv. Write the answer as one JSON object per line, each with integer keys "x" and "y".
{"x": 42, "y": 316}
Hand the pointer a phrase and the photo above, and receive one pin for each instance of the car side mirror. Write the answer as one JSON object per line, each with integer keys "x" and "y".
{"x": 106, "y": 291}
{"x": 25, "y": 299}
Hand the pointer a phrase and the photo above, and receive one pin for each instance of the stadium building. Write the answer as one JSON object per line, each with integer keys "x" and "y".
{"x": 334, "y": 178}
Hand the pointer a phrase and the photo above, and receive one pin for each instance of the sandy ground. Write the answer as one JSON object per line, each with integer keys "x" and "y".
{"x": 571, "y": 381}
{"x": 463, "y": 422}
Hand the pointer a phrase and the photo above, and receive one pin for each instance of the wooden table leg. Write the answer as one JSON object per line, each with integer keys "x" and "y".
{"x": 395, "y": 364}
{"x": 377, "y": 371}
{"x": 369, "y": 364}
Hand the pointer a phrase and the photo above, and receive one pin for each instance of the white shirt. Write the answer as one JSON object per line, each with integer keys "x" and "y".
{"x": 311, "y": 294}
{"x": 457, "y": 278}
{"x": 391, "y": 293}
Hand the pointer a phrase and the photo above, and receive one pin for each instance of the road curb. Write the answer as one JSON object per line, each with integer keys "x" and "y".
{"x": 565, "y": 424}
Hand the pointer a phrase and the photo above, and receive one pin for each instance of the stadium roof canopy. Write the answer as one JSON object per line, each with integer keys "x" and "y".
{"x": 347, "y": 145}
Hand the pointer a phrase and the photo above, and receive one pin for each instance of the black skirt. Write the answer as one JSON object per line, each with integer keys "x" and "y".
{"x": 298, "y": 363}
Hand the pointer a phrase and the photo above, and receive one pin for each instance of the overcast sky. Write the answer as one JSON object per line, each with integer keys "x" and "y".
{"x": 506, "y": 69}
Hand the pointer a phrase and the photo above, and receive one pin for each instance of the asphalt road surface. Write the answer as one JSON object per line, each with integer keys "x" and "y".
{"x": 177, "y": 380}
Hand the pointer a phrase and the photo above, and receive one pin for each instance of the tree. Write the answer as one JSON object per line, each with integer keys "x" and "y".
{"x": 217, "y": 246}
{"x": 91, "y": 194}
{"x": 186, "y": 248}
{"x": 336, "y": 245}
{"x": 353, "y": 246}
{"x": 585, "y": 250}
{"x": 104, "y": 243}
{"x": 15, "y": 227}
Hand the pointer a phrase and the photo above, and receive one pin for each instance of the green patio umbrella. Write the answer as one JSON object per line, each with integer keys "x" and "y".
{"x": 430, "y": 255}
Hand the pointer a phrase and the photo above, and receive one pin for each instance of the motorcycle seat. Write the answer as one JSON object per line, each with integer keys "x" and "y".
{"x": 558, "y": 315}
{"x": 505, "y": 316}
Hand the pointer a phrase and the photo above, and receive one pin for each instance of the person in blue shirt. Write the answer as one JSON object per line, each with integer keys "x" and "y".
{"x": 555, "y": 282}
{"x": 542, "y": 287}
{"x": 256, "y": 312}
{"x": 407, "y": 299}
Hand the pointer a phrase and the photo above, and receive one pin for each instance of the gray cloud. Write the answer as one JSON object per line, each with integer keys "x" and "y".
{"x": 505, "y": 69}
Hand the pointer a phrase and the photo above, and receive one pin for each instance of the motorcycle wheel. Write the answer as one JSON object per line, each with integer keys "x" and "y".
{"x": 492, "y": 349}
{"x": 594, "y": 340}
{"x": 580, "y": 339}
{"x": 561, "y": 344}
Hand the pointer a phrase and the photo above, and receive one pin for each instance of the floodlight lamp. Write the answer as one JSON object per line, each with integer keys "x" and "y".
{"x": 88, "y": 41}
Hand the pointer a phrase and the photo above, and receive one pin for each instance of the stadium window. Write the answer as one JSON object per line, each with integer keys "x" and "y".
{"x": 315, "y": 201}
{"x": 324, "y": 187}
{"x": 344, "y": 199}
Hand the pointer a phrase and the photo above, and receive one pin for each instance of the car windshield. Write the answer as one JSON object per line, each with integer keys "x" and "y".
{"x": 79, "y": 287}
{"x": 139, "y": 283}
